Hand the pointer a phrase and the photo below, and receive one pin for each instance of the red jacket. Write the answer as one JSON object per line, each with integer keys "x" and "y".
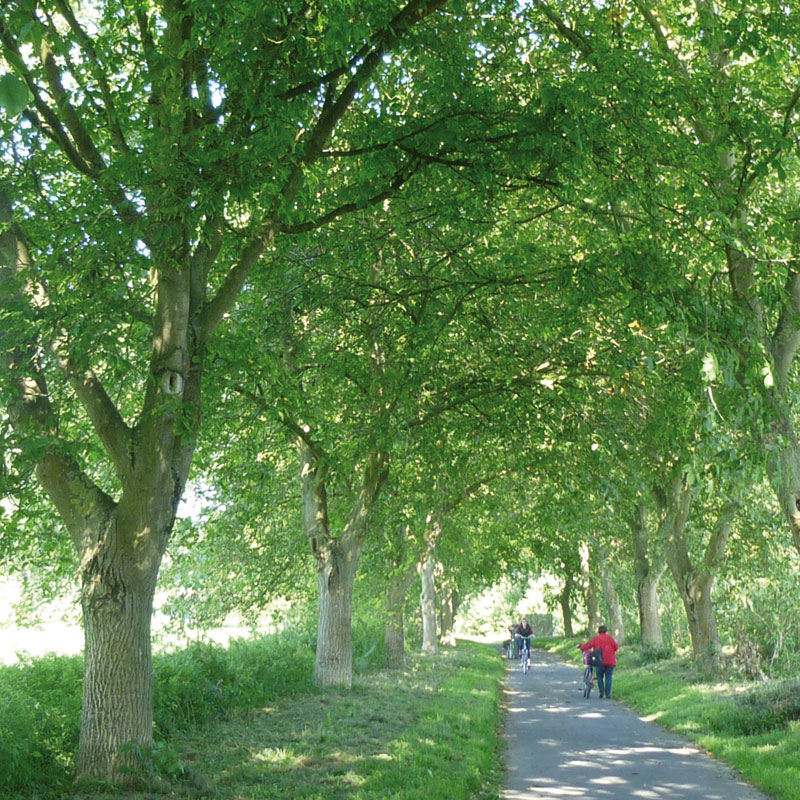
{"x": 607, "y": 644}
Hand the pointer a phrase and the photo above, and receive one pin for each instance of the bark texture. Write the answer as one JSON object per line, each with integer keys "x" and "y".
{"x": 447, "y": 616}
{"x": 648, "y": 571}
{"x": 565, "y": 601}
{"x": 695, "y": 583}
{"x": 396, "y": 592}
{"x": 335, "y": 575}
{"x": 427, "y": 598}
{"x": 117, "y": 688}
{"x": 616, "y": 621}
{"x": 336, "y": 558}
{"x": 589, "y": 588}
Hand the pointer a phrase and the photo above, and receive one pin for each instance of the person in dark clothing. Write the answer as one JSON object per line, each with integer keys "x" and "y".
{"x": 608, "y": 647}
{"x": 525, "y": 630}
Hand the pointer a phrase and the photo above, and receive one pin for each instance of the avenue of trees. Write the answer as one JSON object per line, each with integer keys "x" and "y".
{"x": 418, "y": 295}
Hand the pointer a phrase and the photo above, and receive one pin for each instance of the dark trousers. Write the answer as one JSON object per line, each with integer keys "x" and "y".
{"x": 605, "y": 675}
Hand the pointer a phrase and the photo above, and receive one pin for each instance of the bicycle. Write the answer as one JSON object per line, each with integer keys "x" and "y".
{"x": 512, "y": 651}
{"x": 525, "y": 652}
{"x": 588, "y": 680}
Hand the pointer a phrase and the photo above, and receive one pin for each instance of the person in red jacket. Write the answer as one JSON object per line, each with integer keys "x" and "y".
{"x": 608, "y": 647}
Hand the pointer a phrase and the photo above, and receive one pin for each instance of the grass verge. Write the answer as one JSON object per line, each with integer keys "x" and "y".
{"x": 428, "y": 732}
{"x": 755, "y": 728}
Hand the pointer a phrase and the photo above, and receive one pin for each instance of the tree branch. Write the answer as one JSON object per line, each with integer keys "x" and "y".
{"x": 403, "y": 21}
{"x": 718, "y": 541}
{"x": 82, "y": 504}
{"x": 786, "y": 339}
{"x": 349, "y": 208}
{"x": 373, "y": 478}
{"x": 580, "y": 41}
{"x": 469, "y": 490}
{"x": 88, "y": 48}
{"x": 80, "y": 136}
{"x": 105, "y": 418}
{"x": 211, "y": 316}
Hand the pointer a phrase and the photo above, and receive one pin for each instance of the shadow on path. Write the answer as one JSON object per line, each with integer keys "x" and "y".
{"x": 562, "y": 746}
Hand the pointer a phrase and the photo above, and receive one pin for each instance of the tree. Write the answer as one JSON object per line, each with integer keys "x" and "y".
{"x": 714, "y": 178}
{"x": 156, "y": 152}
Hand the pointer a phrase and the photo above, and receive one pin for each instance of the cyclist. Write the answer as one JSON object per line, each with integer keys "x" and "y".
{"x": 511, "y": 643}
{"x": 524, "y": 633}
{"x": 605, "y": 672}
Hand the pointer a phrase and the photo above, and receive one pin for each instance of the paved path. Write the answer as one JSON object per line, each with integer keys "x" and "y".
{"x": 564, "y": 747}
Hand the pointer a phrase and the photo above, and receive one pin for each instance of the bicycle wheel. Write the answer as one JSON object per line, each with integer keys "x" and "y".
{"x": 588, "y": 682}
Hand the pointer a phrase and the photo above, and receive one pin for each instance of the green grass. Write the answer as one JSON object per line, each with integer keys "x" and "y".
{"x": 755, "y": 728}
{"x": 246, "y": 723}
{"x": 429, "y": 732}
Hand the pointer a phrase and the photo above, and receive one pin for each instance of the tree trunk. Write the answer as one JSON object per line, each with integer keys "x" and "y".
{"x": 649, "y": 615}
{"x": 396, "y": 591}
{"x": 616, "y": 622}
{"x": 566, "y": 608}
{"x": 336, "y": 573}
{"x": 695, "y": 584}
{"x": 117, "y": 686}
{"x": 428, "y": 604}
{"x": 589, "y": 589}
{"x": 449, "y": 605}
{"x": 119, "y": 543}
{"x": 120, "y": 565}
{"x": 695, "y": 593}
{"x": 336, "y": 557}
{"x": 648, "y": 574}
{"x": 784, "y": 474}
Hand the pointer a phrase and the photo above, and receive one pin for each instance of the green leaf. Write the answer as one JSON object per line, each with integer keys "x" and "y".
{"x": 14, "y": 95}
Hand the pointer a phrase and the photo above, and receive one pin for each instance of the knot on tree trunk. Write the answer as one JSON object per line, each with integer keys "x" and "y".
{"x": 171, "y": 383}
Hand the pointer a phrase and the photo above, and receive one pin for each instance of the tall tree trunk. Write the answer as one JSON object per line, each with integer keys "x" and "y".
{"x": 589, "y": 588}
{"x": 427, "y": 598}
{"x": 117, "y": 709}
{"x": 649, "y": 614}
{"x": 336, "y": 571}
{"x": 427, "y": 571}
{"x": 784, "y": 475}
{"x": 696, "y": 595}
{"x": 449, "y": 606}
{"x": 396, "y": 591}
{"x": 695, "y": 584}
{"x": 647, "y": 573}
{"x": 616, "y": 622}
{"x": 336, "y": 558}
{"x": 565, "y": 599}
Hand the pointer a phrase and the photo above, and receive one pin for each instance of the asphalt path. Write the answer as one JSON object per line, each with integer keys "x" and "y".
{"x": 562, "y": 746}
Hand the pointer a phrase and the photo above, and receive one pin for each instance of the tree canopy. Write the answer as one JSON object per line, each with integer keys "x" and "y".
{"x": 475, "y": 287}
